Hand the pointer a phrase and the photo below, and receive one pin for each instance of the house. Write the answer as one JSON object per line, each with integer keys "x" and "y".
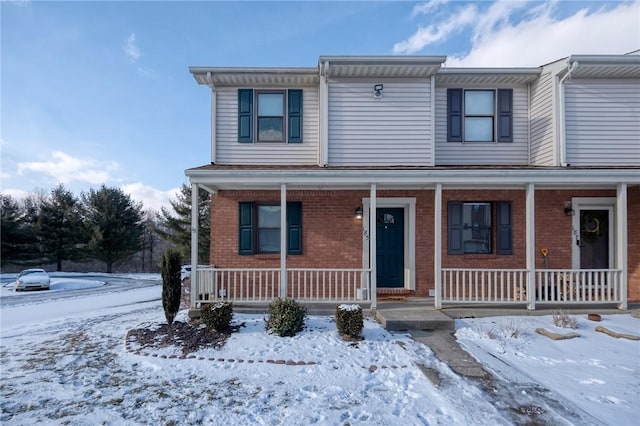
{"x": 395, "y": 175}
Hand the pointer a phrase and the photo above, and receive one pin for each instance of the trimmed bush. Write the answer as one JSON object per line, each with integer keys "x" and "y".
{"x": 286, "y": 317}
{"x": 350, "y": 321}
{"x": 171, "y": 285}
{"x": 217, "y": 316}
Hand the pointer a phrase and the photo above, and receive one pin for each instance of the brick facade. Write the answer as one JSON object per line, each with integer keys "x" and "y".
{"x": 332, "y": 237}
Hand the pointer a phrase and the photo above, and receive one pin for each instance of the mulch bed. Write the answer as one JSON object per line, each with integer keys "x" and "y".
{"x": 188, "y": 336}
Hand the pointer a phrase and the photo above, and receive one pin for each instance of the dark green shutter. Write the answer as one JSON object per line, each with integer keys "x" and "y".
{"x": 454, "y": 115}
{"x": 246, "y": 240}
{"x": 455, "y": 227}
{"x": 294, "y": 113}
{"x": 505, "y": 115}
{"x": 294, "y": 227}
{"x": 245, "y": 115}
{"x": 504, "y": 225}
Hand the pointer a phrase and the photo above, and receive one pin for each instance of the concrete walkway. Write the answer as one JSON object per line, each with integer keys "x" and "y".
{"x": 435, "y": 328}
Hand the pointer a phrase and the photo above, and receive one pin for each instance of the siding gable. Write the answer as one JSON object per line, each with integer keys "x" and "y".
{"x": 229, "y": 151}
{"x": 603, "y": 123}
{"x": 393, "y": 130}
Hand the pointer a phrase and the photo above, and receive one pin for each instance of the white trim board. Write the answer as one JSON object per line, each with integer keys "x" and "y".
{"x": 409, "y": 206}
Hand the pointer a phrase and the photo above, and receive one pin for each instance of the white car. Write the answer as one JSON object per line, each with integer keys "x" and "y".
{"x": 185, "y": 272}
{"x": 32, "y": 279}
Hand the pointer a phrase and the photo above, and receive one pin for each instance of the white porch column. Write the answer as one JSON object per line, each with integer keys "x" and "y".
{"x": 283, "y": 240}
{"x": 621, "y": 242}
{"x": 373, "y": 215}
{"x": 530, "y": 220}
{"x": 437, "y": 246}
{"x": 194, "y": 245}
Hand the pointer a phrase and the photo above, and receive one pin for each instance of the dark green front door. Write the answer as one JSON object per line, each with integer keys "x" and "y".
{"x": 390, "y": 247}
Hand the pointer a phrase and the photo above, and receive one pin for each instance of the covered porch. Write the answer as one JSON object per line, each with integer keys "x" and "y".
{"x": 525, "y": 284}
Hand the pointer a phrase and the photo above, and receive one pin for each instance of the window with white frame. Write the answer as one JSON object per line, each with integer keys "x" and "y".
{"x": 479, "y": 115}
{"x": 270, "y": 118}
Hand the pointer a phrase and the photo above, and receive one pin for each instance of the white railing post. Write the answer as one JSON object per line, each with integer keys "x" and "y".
{"x": 283, "y": 240}
{"x": 194, "y": 245}
{"x": 621, "y": 242}
{"x": 373, "y": 215}
{"x": 437, "y": 243}
{"x": 530, "y": 206}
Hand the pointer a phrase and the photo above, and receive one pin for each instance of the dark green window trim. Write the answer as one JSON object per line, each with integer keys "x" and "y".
{"x": 248, "y": 228}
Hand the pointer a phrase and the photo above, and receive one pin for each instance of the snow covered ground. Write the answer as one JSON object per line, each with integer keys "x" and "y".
{"x": 68, "y": 364}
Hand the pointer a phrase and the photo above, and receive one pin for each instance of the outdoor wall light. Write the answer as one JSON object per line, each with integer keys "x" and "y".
{"x": 377, "y": 90}
{"x": 358, "y": 213}
{"x": 568, "y": 209}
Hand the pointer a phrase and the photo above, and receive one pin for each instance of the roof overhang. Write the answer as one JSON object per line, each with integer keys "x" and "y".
{"x": 321, "y": 178}
{"x": 380, "y": 66}
{"x": 493, "y": 76}
{"x": 604, "y": 66}
{"x": 255, "y": 77}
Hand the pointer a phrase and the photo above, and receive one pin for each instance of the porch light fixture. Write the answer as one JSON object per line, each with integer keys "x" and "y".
{"x": 358, "y": 213}
{"x": 377, "y": 91}
{"x": 568, "y": 209}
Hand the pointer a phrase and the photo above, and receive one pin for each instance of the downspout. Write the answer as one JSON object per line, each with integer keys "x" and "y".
{"x": 323, "y": 149}
{"x": 562, "y": 142}
{"x": 213, "y": 117}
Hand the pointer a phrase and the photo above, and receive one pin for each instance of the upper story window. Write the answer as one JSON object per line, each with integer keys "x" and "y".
{"x": 270, "y": 121}
{"x": 479, "y": 115}
{"x": 269, "y": 115}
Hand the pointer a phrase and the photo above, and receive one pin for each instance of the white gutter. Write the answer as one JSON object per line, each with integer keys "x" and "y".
{"x": 562, "y": 140}
{"x": 419, "y": 178}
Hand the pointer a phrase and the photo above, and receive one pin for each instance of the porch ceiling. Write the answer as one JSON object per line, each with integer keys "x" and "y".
{"x": 344, "y": 179}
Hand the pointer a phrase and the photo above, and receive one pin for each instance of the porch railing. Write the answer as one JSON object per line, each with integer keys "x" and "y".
{"x": 484, "y": 285}
{"x": 263, "y": 284}
{"x": 512, "y": 286}
{"x": 578, "y": 286}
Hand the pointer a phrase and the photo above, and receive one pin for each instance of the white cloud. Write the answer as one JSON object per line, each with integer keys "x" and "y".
{"x": 435, "y": 33}
{"x": 16, "y": 194}
{"x": 151, "y": 198}
{"x": 131, "y": 49}
{"x": 424, "y": 8}
{"x": 537, "y": 38}
{"x": 64, "y": 168}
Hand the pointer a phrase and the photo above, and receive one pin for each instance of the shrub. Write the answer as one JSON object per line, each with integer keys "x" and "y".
{"x": 171, "y": 285}
{"x": 217, "y": 316}
{"x": 563, "y": 320}
{"x": 286, "y": 317}
{"x": 349, "y": 320}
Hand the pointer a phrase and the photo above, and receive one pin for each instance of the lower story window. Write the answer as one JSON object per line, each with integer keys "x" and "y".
{"x": 259, "y": 228}
{"x": 472, "y": 229}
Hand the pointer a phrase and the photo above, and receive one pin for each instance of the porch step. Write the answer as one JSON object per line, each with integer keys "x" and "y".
{"x": 414, "y": 318}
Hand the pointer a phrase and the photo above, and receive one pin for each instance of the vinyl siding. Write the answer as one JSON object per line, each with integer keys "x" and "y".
{"x": 229, "y": 151}
{"x": 603, "y": 123}
{"x": 392, "y": 130}
{"x": 484, "y": 153}
{"x": 542, "y": 122}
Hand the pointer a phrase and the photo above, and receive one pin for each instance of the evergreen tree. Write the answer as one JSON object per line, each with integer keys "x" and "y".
{"x": 61, "y": 228}
{"x": 19, "y": 239}
{"x": 177, "y": 228}
{"x": 115, "y": 224}
{"x": 171, "y": 285}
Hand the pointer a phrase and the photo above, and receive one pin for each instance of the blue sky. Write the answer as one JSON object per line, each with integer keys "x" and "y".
{"x": 100, "y": 92}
